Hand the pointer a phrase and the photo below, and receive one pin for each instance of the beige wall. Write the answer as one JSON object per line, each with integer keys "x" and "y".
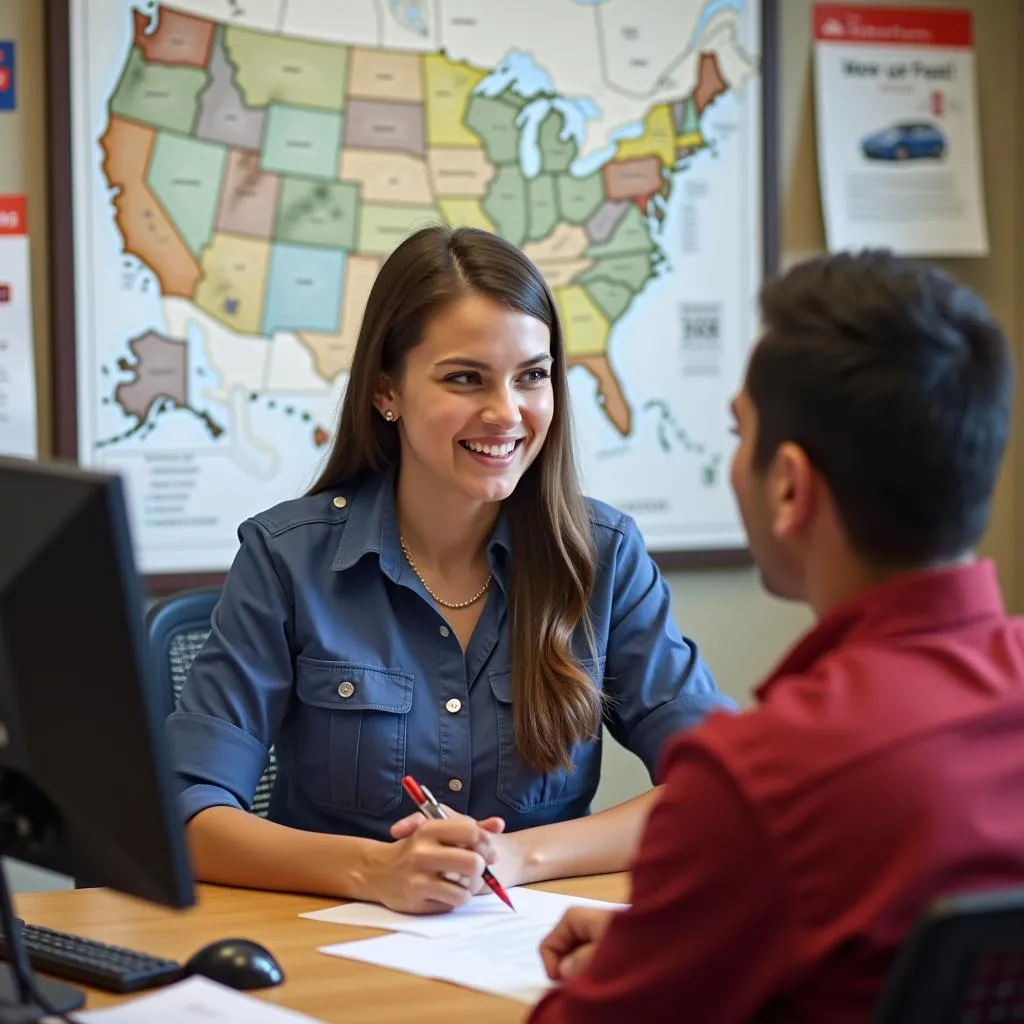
{"x": 1016, "y": 516}
{"x": 741, "y": 631}
{"x": 23, "y": 170}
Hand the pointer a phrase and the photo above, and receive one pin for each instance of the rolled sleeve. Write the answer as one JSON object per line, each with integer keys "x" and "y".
{"x": 656, "y": 679}
{"x": 238, "y": 685}
{"x": 198, "y": 796}
{"x": 229, "y": 777}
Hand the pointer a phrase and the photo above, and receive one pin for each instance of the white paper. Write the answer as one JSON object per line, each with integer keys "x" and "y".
{"x": 194, "y": 1001}
{"x": 899, "y": 152}
{"x": 509, "y": 965}
{"x": 17, "y": 358}
{"x": 501, "y": 956}
{"x": 482, "y": 910}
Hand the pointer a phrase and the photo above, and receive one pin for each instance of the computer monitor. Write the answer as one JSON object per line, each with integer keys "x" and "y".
{"x": 85, "y": 780}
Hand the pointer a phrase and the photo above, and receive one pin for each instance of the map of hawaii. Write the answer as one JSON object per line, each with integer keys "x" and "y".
{"x": 264, "y": 178}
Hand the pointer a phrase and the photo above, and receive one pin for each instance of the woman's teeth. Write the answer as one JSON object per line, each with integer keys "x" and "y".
{"x": 494, "y": 450}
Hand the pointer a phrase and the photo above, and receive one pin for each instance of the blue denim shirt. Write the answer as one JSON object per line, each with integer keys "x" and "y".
{"x": 325, "y": 645}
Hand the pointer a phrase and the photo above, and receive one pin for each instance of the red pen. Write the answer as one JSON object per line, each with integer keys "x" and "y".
{"x": 430, "y": 808}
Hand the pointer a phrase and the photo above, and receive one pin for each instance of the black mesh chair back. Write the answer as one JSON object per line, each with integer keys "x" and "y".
{"x": 963, "y": 963}
{"x": 176, "y": 629}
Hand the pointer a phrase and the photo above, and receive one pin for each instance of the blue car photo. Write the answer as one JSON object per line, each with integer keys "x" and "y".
{"x": 912, "y": 140}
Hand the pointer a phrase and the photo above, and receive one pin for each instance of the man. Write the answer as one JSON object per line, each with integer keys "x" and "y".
{"x": 883, "y": 765}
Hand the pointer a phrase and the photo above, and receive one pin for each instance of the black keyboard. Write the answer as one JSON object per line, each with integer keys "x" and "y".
{"x": 93, "y": 963}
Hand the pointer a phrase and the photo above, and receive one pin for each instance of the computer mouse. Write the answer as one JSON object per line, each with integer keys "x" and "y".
{"x": 237, "y": 963}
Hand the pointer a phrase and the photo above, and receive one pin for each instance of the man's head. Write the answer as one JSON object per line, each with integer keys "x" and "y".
{"x": 872, "y": 420}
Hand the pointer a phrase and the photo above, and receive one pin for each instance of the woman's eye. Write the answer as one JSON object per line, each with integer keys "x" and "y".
{"x": 537, "y": 375}
{"x": 461, "y": 378}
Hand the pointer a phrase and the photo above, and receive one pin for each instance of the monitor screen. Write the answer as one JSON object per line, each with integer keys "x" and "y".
{"x": 85, "y": 783}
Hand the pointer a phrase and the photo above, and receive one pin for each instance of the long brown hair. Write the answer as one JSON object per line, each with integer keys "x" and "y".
{"x": 555, "y": 702}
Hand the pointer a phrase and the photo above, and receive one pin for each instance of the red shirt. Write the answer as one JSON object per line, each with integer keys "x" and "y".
{"x": 795, "y": 843}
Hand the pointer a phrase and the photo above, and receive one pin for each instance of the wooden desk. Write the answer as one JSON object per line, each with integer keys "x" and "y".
{"x": 324, "y": 987}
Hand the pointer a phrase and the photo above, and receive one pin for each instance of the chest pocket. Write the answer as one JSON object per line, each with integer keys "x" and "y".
{"x": 351, "y": 735}
{"x": 522, "y": 787}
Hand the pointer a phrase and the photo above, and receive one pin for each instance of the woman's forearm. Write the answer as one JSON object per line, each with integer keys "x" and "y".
{"x": 232, "y": 847}
{"x": 593, "y": 845}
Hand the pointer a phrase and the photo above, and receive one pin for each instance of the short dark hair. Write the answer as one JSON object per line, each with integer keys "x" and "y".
{"x": 898, "y": 383}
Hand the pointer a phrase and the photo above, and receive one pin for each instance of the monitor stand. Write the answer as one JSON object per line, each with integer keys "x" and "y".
{"x": 17, "y": 1007}
{"x": 22, "y": 994}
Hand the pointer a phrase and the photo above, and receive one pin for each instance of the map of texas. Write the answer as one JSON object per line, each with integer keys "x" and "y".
{"x": 264, "y": 178}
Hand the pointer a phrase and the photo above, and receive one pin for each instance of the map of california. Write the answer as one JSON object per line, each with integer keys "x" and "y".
{"x": 263, "y": 178}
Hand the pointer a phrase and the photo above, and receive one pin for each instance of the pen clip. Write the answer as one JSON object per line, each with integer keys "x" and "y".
{"x": 436, "y": 809}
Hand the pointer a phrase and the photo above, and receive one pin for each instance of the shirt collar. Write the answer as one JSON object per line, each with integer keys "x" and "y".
{"x": 372, "y": 528}
{"x": 499, "y": 550}
{"x": 930, "y": 601}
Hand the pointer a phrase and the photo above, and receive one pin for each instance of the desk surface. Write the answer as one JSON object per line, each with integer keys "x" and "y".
{"x": 322, "y": 986}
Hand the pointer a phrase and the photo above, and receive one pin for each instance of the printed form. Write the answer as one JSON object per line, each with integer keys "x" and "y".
{"x": 483, "y": 946}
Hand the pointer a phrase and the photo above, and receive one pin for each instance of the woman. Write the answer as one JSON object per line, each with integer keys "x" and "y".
{"x": 443, "y": 603}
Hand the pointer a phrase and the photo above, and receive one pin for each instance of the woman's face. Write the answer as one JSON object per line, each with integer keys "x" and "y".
{"x": 474, "y": 401}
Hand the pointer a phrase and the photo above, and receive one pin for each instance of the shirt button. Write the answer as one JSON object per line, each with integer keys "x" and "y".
{"x": 454, "y": 705}
{"x": 346, "y": 689}
{"x": 455, "y": 785}
{"x": 444, "y": 631}
{"x": 340, "y": 502}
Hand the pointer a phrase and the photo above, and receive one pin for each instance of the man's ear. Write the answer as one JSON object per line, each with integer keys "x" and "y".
{"x": 792, "y": 490}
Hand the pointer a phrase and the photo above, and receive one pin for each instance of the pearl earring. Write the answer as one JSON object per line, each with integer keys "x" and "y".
{"x": 389, "y": 416}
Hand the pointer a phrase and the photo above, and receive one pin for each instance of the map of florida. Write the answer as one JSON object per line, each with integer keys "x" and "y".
{"x": 264, "y": 178}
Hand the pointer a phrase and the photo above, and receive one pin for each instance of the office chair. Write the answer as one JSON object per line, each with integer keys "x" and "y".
{"x": 962, "y": 963}
{"x": 176, "y": 628}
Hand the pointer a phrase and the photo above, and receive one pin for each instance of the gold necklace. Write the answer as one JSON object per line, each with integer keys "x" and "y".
{"x": 426, "y": 586}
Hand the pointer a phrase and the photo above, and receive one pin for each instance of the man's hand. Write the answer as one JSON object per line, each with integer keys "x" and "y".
{"x": 568, "y": 948}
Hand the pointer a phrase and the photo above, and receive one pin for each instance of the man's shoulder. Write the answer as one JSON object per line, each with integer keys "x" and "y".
{"x": 733, "y": 741}
{"x": 859, "y": 703}
{"x": 801, "y": 728}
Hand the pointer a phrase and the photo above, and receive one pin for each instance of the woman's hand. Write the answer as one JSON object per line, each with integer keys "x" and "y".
{"x": 507, "y": 864}
{"x": 434, "y": 866}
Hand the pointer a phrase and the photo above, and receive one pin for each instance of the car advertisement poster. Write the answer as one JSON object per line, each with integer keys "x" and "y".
{"x": 897, "y": 121}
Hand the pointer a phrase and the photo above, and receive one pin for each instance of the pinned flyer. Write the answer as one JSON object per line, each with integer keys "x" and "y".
{"x": 899, "y": 151}
{"x": 17, "y": 359}
{"x": 8, "y": 96}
